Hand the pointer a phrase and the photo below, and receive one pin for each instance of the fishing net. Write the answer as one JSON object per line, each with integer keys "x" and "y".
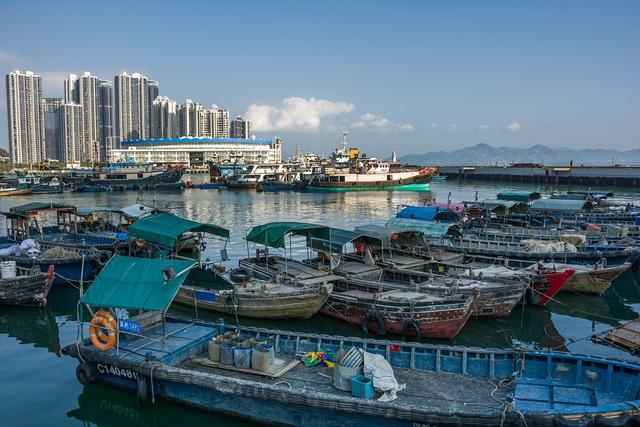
{"x": 59, "y": 253}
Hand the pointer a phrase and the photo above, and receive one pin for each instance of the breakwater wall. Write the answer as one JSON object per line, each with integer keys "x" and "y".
{"x": 617, "y": 176}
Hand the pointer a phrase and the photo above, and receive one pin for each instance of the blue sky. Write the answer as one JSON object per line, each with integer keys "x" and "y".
{"x": 411, "y": 76}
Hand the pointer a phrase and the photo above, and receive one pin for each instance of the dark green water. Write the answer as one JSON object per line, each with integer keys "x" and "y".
{"x": 38, "y": 385}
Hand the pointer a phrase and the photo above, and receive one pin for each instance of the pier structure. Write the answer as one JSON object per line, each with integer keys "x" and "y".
{"x": 615, "y": 175}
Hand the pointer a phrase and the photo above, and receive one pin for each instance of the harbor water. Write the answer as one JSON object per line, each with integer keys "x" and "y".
{"x": 39, "y": 387}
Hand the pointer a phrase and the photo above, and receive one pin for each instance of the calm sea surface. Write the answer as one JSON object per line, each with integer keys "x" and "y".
{"x": 38, "y": 385}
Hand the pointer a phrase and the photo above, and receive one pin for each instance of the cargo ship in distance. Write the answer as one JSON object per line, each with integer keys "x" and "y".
{"x": 350, "y": 171}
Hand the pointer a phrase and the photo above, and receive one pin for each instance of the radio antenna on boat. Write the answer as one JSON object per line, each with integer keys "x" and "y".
{"x": 345, "y": 140}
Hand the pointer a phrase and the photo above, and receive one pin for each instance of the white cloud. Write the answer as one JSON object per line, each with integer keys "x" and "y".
{"x": 483, "y": 127}
{"x": 434, "y": 125}
{"x": 374, "y": 121}
{"x": 453, "y": 127}
{"x": 514, "y": 127}
{"x": 295, "y": 114}
{"x": 8, "y": 57}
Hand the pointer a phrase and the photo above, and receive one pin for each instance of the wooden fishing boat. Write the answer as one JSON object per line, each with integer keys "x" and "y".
{"x": 547, "y": 278}
{"x": 377, "y": 306}
{"x": 5, "y": 190}
{"x": 586, "y": 255}
{"x": 29, "y": 287}
{"x": 445, "y": 385}
{"x": 592, "y": 280}
{"x": 491, "y": 296}
{"x": 251, "y": 297}
{"x": 71, "y": 264}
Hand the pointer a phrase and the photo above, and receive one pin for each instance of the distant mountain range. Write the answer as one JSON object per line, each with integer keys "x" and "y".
{"x": 484, "y": 154}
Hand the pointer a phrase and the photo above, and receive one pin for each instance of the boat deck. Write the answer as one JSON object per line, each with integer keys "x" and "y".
{"x": 179, "y": 338}
{"x": 443, "y": 392}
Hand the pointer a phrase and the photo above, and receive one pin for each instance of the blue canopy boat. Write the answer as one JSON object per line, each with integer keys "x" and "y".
{"x": 157, "y": 356}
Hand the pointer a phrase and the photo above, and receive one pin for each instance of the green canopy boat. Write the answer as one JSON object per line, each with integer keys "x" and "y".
{"x": 176, "y": 233}
{"x": 519, "y": 196}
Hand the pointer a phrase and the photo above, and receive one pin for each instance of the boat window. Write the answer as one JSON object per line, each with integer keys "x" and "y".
{"x": 342, "y": 178}
{"x": 388, "y": 177}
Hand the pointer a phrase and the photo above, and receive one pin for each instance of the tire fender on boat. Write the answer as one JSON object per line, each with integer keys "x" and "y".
{"x": 410, "y": 323}
{"x": 373, "y": 317}
{"x": 619, "y": 421}
{"x": 142, "y": 390}
{"x": 85, "y": 373}
{"x": 103, "y": 257}
{"x": 560, "y": 421}
{"x": 240, "y": 275}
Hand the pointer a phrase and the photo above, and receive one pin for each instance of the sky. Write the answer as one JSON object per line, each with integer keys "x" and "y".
{"x": 410, "y": 76}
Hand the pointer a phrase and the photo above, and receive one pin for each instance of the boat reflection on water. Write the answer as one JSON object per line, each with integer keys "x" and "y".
{"x": 37, "y": 326}
{"x": 104, "y": 407}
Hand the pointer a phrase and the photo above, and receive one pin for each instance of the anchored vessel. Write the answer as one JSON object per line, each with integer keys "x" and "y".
{"x": 166, "y": 357}
{"x": 349, "y": 171}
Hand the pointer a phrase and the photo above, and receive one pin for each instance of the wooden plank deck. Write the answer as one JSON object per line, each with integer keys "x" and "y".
{"x": 626, "y": 336}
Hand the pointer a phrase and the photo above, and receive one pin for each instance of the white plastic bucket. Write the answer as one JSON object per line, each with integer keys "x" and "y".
{"x": 8, "y": 269}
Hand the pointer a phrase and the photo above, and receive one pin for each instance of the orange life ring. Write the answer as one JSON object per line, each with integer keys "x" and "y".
{"x": 359, "y": 245}
{"x": 97, "y": 323}
{"x": 140, "y": 243}
{"x": 394, "y": 236}
{"x": 323, "y": 257}
{"x": 112, "y": 321}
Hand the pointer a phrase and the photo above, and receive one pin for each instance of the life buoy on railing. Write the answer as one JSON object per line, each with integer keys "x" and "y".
{"x": 103, "y": 320}
{"x": 359, "y": 246}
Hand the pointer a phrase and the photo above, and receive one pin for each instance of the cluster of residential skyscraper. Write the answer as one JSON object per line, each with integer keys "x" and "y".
{"x": 95, "y": 116}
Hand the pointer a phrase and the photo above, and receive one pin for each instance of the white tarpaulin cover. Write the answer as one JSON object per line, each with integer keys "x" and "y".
{"x": 381, "y": 374}
{"x": 546, "y": 247}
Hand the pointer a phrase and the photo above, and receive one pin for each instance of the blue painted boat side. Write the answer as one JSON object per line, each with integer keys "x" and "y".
{"x": 545, "y": 383}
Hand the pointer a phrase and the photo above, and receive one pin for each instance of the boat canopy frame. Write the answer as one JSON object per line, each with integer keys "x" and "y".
{"x": 130, "y": 283}
{"x": 18, "y": 219}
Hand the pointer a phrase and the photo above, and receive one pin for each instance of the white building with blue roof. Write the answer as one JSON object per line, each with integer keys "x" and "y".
{"x": 196, "y": 151}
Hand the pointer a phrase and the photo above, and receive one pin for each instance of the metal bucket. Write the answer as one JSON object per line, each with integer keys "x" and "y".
{"x": 342, "y": 376}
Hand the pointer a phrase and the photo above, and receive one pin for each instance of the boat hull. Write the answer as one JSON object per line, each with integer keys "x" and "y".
{"x": 301, "y": 304}
{"x": 418, "y": 182}
{"x": 241, "y": 185}
{"x": 66, "y": 270}
{"x": 446, "y": 386}
{"x": 434, "y": 321}
{"x": 595, "y": 281}
{"x": 30, "y": 290}
{"x": 397, "y": 187}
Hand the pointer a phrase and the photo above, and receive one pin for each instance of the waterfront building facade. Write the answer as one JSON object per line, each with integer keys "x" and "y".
{"x": 25, "y": 118}
{"x": 190, "y": 119}
{"x": 95, "y": 96}
{"x": 197, "y": 151}
{"x": 164, "y": 118}
{"x": 240, "y": 128}
{"x": 52, "y": 112}
{"x": 105, "y": 111}
{"x": 73, "y": 134}
{"x": 132, "y": 118}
